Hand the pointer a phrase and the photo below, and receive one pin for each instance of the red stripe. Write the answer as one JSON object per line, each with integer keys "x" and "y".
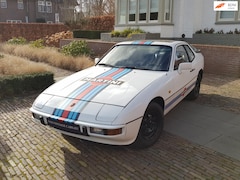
{"x": 68, "y": 109}
{"x": 89, "y": 89}
{"x": 113, "y": 74}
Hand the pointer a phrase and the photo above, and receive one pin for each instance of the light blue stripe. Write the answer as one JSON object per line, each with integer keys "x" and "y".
{"x": 124, "y": 72}
{"x": 74, "y": 117}
{"x": 177, "y": 97}
{"x": 148, "y": 42}
{"x": 80, "y": 90}
{"x": 70, "y": 115}
{"x": 60, "y": 112}
{"x": 107, "y": 73}
{"x": 136, "y": 42}
{"x": 94, "y": 92}
{"x": 78, "y": 107}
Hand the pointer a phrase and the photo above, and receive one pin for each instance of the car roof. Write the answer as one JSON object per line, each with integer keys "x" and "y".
{"x": 153, "y": 42}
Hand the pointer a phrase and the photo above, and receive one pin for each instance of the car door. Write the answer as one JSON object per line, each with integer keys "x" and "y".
{"x": 183, "y": 78}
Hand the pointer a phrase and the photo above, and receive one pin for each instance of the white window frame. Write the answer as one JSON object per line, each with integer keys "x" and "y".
{"x": 20, "y": 4}
{"x": 236, "y": 14}
{"x": 48, "y": 6}
{"x": 144, "y": 10}
{"x": 123, "y": 4}
{"x": 132, "y": 11}
{"x": 3, "y": 3}
{"x": 167, "y": 11}
{"x": 45, "y": 6}
{"x": 14, "y": 21}
{"x": 153, "y": 10}
{"x": 41, "y": 6}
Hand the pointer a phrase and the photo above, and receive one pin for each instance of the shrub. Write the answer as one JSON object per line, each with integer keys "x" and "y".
{"x": 87, "y": 34}
{"x": 209, "y": 31}
{"x": 236, "y": 31}
{"x": 54, "y": 39}
{"x": 76, "y": 48}
{"x": 115, "y": 33}
{"x": 127, "y": 32}
{"x": 199, "y": 31}
{"x": 19, "y": 40}
{"x": 39, "y": 43}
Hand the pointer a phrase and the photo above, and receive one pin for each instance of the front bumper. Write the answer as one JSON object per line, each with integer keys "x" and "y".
{"x": 106, "y": 134}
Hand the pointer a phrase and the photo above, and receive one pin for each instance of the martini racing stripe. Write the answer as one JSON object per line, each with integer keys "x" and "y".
{"x": 143, "y": 42}
{"x": 70, "y": 110}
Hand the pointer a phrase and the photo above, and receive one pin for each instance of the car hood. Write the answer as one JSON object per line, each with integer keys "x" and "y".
{"x": 103, "y": 85}
{"x": 95, "y": 91}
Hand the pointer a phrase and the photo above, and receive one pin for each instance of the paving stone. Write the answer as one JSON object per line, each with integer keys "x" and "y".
{"x": 32, "y": 151}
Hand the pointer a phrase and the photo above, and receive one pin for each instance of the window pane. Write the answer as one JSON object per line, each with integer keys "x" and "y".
{"x": 167, "y": 10}
{"x": 48, "y": 6}
{"x": 123, "y": 11}
{"x": 41, "y": 6}
{"x": 3, "y": 3}
{"x": 154, "y": 9}
{"x": 142, "y": 10}
{"x": 227, "y": 15}
{"x": 132, "y": 10}
{"x": 20, "y": 4}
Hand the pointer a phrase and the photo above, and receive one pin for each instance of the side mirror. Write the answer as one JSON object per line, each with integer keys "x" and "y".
{"x": 96, "y": 60}
{"x": 184, "y": 67}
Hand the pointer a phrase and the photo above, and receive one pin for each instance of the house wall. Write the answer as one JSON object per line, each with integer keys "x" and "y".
{"x": 30, "y": 31}
{"x": 29, "y": 13}
{"x": 189, "y": 16}
{"x": 223, "y": 60}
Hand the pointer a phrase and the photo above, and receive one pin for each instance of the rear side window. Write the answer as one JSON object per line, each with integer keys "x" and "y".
{"x": 190, "y": 53}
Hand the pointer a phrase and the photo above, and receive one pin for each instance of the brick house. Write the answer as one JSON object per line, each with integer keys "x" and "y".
{"x": 174, "y": 18}
{"x": 30, "y": 11}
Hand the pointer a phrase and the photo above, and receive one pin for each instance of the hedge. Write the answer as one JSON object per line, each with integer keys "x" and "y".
{"x": 87, "y": 34}
{"x": 18, "y": 85}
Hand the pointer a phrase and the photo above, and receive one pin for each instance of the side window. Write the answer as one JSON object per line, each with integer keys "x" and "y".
{"x": 181, "y": 56}
{"x": 190, "y": 53}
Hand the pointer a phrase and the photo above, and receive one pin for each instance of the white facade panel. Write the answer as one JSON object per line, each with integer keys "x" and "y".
{"x": 189, "y": 16}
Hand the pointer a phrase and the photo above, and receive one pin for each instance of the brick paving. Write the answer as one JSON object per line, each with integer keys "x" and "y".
{"x": 32, "y": 151}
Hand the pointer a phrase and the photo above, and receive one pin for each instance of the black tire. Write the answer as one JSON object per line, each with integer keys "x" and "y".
{"x": 151, "y": 126}
{"x": 196, "y": 90}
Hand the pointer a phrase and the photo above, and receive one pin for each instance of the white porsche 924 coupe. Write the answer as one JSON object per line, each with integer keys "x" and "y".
{"x": 122, "y": 100}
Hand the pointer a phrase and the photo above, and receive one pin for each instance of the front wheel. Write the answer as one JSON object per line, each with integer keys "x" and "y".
{"x": 151, "y": 126}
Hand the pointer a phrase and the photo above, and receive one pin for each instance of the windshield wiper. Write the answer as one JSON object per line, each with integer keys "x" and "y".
{"x": 104, "y": 64}
{"x": 128, "y": 67}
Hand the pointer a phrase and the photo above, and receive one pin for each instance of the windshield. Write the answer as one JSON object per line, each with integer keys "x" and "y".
{"x": 145, "y": 57}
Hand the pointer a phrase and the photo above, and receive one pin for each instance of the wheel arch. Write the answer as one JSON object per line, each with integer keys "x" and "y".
{"x": 159, "y": 100}
{"x": 201, "y": 73}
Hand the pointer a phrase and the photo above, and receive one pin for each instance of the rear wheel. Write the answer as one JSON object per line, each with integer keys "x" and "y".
{"x": 196, "y": 90}
{"x": 151, "y": 126}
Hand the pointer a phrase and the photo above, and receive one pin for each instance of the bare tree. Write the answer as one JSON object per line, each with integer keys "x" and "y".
{"x": 75, "y": 11}
{"x": 100, "y": 7}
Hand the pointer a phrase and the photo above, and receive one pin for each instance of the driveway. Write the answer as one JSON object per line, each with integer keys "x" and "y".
{"x": 207, "y": 126}
{"x": 192, "y": 147}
